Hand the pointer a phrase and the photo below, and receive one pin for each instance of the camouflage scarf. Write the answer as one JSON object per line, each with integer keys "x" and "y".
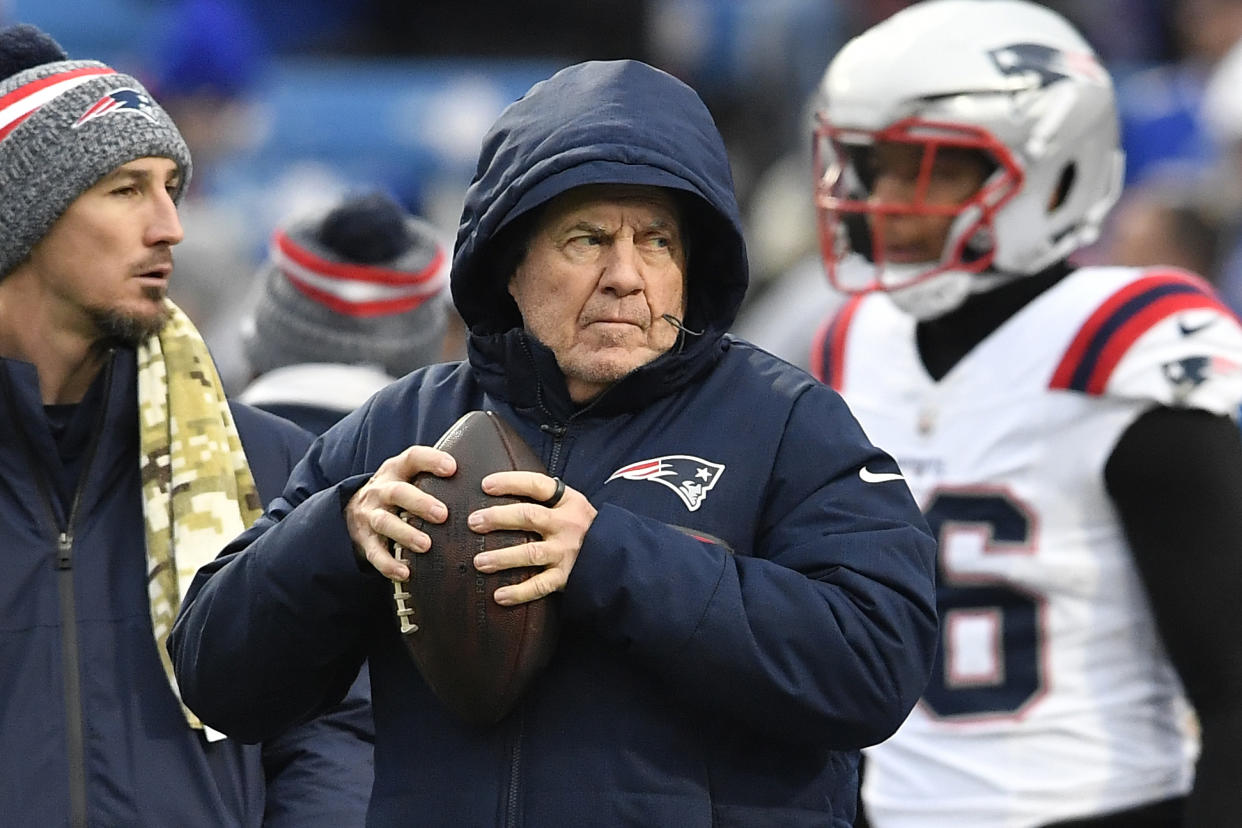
{"x": 197, "y": 490}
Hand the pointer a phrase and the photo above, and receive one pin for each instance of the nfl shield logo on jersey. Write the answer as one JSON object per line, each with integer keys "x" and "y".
{"x": 689, "y": 476}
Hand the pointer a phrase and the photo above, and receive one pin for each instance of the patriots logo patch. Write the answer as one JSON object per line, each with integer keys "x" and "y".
{"x": 689, "y": 476}
{"x": 125, "y": 99}
{"x": 1185, "y": 375}
{"x": 1045, "y": 64}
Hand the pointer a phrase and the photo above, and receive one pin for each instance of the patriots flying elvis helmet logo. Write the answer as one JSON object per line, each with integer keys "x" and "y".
{"x": 690, "y": 477}
{"x": 125, "y": 99}
{"x": 1045, "y": 64}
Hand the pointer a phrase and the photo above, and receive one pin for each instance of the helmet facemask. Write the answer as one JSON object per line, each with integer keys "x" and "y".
{"x": 853, "y": 218}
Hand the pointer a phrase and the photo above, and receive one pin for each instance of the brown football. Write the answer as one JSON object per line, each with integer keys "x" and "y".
{"x": 476, "y": 655}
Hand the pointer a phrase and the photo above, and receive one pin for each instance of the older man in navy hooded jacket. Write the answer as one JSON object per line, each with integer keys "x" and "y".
{"x": 724, "y": 675}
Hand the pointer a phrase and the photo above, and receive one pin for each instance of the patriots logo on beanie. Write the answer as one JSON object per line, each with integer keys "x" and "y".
{"x": 55, "y": 141}
{"x": 124, "y": 99}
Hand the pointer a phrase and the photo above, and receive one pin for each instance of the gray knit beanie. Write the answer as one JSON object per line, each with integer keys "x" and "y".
{"x": 65, "y": 124}
{"x": 361, "y": 283}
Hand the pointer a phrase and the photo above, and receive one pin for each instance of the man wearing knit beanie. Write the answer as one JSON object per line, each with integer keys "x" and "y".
{"x": 350, "y": 299}
{"x": 124, "y": 469}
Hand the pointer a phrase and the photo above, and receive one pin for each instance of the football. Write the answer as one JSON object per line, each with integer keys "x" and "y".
{"x": 476, "y": 655}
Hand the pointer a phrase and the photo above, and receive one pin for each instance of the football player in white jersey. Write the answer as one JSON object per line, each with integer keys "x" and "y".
{"x": 1069, "y": 432}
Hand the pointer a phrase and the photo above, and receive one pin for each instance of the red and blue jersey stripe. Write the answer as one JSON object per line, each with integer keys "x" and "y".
{"x": 1129, "y": 313}
{"x": 828, "y": 349}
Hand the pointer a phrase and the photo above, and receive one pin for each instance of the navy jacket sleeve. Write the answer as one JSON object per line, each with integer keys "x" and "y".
{"x": 318, "y": 772}
{"x": 825, "y": 633}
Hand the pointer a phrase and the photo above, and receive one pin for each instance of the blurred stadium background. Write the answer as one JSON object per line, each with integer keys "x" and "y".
{"x": 286, "y": 105}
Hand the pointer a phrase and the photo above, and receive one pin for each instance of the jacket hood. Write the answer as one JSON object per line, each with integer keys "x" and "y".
{"x": 603, "y": 122}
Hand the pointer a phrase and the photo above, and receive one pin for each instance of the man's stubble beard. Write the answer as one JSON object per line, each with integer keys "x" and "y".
{"x": 589, "y": 367}
{"x": 128, "y": 328}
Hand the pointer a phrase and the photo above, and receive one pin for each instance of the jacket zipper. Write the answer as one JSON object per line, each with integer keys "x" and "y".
{"x": 74, "y": 738}
{"x": 558, "y": 437}
{"x": 515, "y": 771}
{"x": 70, "y": 661}
{"x": 512, "y": 795}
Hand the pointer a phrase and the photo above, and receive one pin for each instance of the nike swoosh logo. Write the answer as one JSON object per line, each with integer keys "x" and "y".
{"x": 1187, "y": 330}
{"x": 869, "y": 476}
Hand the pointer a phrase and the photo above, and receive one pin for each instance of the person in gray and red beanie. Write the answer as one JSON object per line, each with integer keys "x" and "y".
{"x": 124, "y": 468}
{"x": 350, "y": 299}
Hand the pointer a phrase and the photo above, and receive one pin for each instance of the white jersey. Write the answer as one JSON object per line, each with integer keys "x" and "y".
{"x": 1052, "y": 696}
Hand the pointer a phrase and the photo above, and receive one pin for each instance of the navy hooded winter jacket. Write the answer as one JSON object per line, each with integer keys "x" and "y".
{"x": 745, "y": 612}
{"x": 89, "y": 726}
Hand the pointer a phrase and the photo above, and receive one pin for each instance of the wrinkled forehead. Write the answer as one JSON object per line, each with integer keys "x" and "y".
{"x": 650, "y": 204}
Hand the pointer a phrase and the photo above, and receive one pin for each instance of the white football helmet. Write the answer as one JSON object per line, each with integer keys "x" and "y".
{"x": 1008, "y": 78}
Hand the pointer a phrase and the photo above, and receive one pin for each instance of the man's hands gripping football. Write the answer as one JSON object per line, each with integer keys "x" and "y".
{"x": 560, "y": 515}
{"x": 373, "y": 518}
{"x": 373, "y": 514}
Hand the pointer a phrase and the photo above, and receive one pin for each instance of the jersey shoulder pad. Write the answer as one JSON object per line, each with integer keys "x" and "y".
{"x": 1163, "y": 336}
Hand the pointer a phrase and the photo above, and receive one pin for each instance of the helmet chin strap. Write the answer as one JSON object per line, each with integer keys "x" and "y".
{"x": 935, "y": 296}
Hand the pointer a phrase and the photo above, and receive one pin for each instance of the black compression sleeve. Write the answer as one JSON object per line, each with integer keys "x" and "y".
{"x": 1176, "y": 479}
